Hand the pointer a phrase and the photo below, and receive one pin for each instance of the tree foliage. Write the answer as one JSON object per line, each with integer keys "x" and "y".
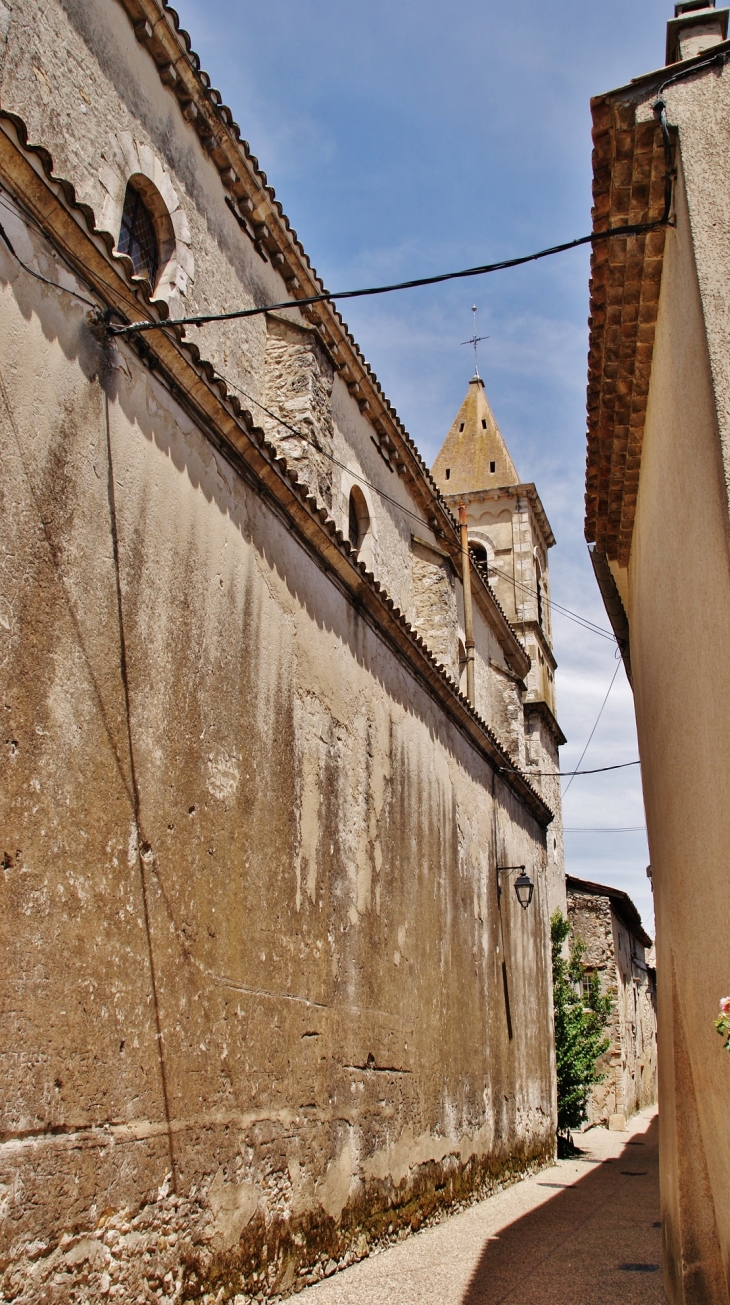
{"x": 581, "y": 1017}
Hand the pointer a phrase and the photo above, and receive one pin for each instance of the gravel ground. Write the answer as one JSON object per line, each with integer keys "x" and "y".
{"x": 584, "y": 1232}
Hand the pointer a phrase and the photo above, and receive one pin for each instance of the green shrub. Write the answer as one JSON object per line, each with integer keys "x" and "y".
{"x": 580, "y": 1020}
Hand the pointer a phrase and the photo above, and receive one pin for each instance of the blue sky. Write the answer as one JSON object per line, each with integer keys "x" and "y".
{"x": 410, "y": 138}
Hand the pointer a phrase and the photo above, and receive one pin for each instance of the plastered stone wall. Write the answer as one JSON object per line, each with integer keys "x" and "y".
{"x": 299, "y": 390}
{"x": 629, "y": 1064}
{"x": 263, "y": 1006}
{"x": 435, "y": 618}
{"x": 394, "y": 514}
{"x": 498, "y": 691}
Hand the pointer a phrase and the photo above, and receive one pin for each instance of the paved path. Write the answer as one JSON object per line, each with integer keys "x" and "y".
{"x": 584, "y": 1232}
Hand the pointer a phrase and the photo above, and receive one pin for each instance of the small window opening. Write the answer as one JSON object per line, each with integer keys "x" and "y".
{"x": 484, "y": 423}
{"x": 461, "y": 426}
{"x": 137, "y": 236}
{"x": 448, "y": 473}
{"x": 479, "y": 552}
{"x": 358, "y": 518}
{"x": 354, "y": 524}
{"x": 462, "y": 668}
{"x": 492, "y": 466}
{"x": 539, "y": 599}
{"x": 587, "y": 985}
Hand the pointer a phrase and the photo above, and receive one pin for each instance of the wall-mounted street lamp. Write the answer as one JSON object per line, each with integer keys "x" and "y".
{"x": 524, "y": 887}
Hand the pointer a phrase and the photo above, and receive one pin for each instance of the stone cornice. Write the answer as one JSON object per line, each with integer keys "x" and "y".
{"x": 535, "y": 629}
{"x": 527, "y": 491}
{"x": 27, "y": 172}
{"x": 539, "y": 707}
{"x": 628, "y": 187}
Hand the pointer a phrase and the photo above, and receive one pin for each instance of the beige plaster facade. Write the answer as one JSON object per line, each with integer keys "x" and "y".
{"x": 621, "y": 953}
{"x": 658, "y": 514}
{"x": 263, "y": 1005}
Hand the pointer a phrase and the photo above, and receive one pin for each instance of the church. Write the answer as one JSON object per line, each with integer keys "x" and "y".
{"x": 280, "y": 816}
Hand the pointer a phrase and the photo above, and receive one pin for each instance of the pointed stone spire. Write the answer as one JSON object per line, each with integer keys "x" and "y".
{"x": 474, "y": 455}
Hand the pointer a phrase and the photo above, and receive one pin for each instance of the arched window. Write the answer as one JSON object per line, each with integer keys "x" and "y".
{"x": 359, "y": 518}
{"x": 479, "y": 552}
{"x": 138, "y": 237}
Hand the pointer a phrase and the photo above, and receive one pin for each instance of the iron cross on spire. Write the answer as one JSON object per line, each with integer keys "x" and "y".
{"x": 474, "y": 340}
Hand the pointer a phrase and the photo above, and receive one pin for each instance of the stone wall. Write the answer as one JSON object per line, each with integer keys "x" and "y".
{"x": 262, "y": 1004}
{"x": 298, "y": 390}
{"x": 620, "y": 959}
{"x": 434, "y": 586}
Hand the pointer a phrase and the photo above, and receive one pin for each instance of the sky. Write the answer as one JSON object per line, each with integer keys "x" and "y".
{"x": 412, "y": 138}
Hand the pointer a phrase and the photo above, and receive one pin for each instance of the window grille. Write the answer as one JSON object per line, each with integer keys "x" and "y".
{"x": 137, "y": 237}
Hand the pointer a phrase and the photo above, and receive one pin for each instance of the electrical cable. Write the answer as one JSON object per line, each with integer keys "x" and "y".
{"x": 502, "y": 769}
{"x": 606, "y": 829}
{"x": 292, "y": 430}
{"x": 563, "y": 774}
{"x": 104, "y": 288}
{"x": 299, "y": 434}
{"x": 595, "y": 727}
{"x": 714, "y": 60}
{"x": 573, "y": 616}
{"x": 54, "y": 284}
{"x": 580, "y": 620}
{"x": 330, "y": 456}
{"x": 564, "y": 611}
{"x": 202, "y": 319}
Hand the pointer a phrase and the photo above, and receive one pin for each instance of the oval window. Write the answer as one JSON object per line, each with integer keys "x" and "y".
{"x": 359, "y": 518}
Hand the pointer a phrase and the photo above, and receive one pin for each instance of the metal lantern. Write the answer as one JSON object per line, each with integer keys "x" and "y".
{"x": 524, "y": 888}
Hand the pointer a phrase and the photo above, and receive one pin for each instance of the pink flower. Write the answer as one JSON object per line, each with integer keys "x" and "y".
{"x": 725, "y": 1005}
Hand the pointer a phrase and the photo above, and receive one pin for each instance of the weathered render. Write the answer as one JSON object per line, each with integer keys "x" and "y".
{"x": 657, "y": 513}
{"x": 620, "y": 952}
{"x": 262, "y": 1002}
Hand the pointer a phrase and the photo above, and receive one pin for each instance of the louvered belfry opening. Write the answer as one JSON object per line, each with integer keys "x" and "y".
{"x": 137, "y": 236}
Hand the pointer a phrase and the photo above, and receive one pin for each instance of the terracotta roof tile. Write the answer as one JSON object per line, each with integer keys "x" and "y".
{"x": 629, "y": 166}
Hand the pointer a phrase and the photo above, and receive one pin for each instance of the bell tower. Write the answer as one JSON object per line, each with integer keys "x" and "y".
{"x": 510, "y": 537}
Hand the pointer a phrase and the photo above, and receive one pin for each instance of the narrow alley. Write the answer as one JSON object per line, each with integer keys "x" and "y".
{"x": 584, "y": 1232}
